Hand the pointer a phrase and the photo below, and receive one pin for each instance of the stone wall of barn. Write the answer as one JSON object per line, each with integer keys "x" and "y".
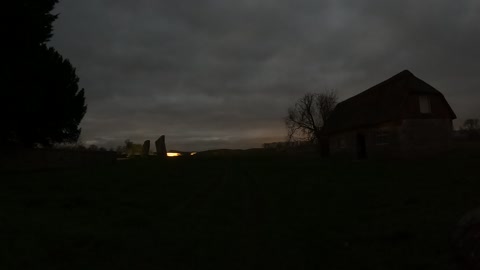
{"x": 382, "y": 141}
{"x": 400, "y": 139}
{"x": 425, "y": 137}
{"x": 342, "y": 145}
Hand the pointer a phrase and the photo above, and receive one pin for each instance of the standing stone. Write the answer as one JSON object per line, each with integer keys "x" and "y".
{"x": 161, "y": 148}
{"x": 146, "y": 148}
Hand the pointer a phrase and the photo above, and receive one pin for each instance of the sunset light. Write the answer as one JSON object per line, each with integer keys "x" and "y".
{"x": 172, "y": 154}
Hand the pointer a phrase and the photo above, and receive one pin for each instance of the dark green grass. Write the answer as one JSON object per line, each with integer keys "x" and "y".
{"x": 237, "y": 213}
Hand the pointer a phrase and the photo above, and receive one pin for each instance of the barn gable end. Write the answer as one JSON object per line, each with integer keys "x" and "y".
{"x": 400, "y": 117}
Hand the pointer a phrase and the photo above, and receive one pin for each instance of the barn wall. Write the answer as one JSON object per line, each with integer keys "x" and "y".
{"x": 425, "y": 137}
{"x": 400, "y": 139}
{"x": 342, "y": 145}
{"x": 387, "y": 147}
{"x": 376, "y": 148}
{"x": 405, "y": 139}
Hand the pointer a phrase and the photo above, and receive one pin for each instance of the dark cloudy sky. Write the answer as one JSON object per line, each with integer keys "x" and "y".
{"x": 222, "y": 73}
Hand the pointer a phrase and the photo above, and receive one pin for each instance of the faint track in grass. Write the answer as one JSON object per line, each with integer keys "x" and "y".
{"x": 254, "y": 222}
{"x": 248, "y": 232}
{"x": 200, "y": 198}
{"x": 262, "y": 249}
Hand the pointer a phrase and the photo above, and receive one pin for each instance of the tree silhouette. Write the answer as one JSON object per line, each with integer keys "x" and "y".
{"x": 305, "y": 120}
{"x": 471, "y": 127}
{"x": 471, "y": 124}
{"x": 43, "y": 103}
{"x": 31, "y": 22}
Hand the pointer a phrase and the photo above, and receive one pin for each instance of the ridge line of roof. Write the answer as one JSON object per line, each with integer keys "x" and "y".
{"x": 395, "y": 77}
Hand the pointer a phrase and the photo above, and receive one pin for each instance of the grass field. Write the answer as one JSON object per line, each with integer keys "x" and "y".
{"x": 237, "y": 213}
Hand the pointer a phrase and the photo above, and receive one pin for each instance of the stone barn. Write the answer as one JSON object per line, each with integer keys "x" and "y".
{"x": 401, "y": 117}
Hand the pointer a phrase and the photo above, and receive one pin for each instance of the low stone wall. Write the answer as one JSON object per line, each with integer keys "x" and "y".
{"x": 38, "y": 159}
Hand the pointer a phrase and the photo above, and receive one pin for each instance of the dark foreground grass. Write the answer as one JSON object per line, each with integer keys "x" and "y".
{"x": 237, "y": 213}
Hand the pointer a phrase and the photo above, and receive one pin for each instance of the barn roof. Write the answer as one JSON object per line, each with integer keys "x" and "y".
{"x": 380, "y": 103}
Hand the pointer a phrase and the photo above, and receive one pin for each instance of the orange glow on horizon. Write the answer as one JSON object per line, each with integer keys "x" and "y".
{"x": 172, "y": 154}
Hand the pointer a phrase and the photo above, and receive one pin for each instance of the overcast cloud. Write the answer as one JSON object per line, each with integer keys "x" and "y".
{"x": 214, "y": 74}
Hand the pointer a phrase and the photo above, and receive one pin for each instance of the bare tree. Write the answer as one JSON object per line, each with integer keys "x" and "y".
{"x": 307, "y": 117}
{"x": 471, "y": 127}
{"x": 471, "y": 124}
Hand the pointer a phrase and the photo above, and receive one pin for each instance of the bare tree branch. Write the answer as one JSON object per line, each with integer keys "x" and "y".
{"x": 305, "y": 120}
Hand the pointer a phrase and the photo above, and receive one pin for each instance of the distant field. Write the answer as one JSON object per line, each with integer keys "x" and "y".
{"x": 238, "y": 213}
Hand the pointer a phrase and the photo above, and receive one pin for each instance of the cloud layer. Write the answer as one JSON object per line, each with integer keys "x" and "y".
{"x": 221, "y": 73}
